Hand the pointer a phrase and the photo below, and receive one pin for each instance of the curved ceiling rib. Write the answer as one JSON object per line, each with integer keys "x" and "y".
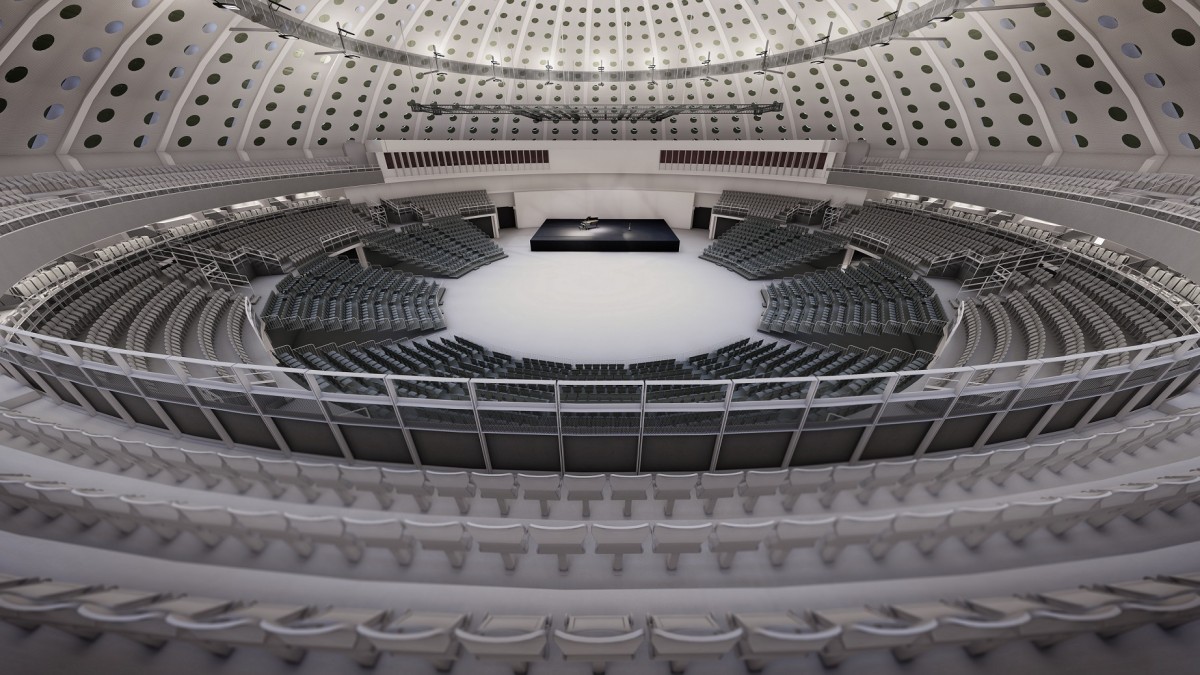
{"x": 261, "y": 12}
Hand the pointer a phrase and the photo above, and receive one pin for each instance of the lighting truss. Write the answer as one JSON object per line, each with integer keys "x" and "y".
{"x": 596, "y": 113}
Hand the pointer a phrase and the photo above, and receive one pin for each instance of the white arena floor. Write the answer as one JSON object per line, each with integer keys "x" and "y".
{"x": 585, "y": 307}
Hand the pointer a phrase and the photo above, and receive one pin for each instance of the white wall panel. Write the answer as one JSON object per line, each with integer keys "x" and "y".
{"x": 534, "y": 207}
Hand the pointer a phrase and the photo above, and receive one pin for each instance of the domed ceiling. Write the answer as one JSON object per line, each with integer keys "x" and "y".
{"x": 88, "y": 80}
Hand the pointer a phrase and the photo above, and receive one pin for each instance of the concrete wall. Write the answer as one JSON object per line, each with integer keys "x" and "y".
{"x": 533, "y": 208}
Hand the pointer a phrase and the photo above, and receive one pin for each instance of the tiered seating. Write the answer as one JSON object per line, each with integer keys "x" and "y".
{"x": 1098, "y": 252}
{"x": 454, "y": 357}
{"x": 1161, "y": 193}
{"x": 823, "y": 486}
{"x": 1066, "y": 329}
{"x": 74, "y": 309}
{"x": 292, "y": 235}
{"x": 445, "y": 205}
{"x": 116, "y": 318}
{"x": 874, "y": 297}
{"x": 766, "y": 206}
{"x": 123, "y": 248}
{"x": 27, "y": 200}
{"x": 972, "y": 326}
{"x": 336, "y": 294}
{"x": 365, "y": 634}
{"x": 1176, "y": 284}
{"x": 758, "y": 249}
{"x": 1078, "y": 180}
{"x": 44, "y": 279}
{"x": 1139, "y": 321}
{"x": 919, "y": 238}
{"x": 447, "y": 246}
{"x": 1026, "y": 230}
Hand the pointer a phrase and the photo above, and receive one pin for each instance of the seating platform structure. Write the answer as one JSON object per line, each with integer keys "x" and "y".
{"x": 650, "y": 235}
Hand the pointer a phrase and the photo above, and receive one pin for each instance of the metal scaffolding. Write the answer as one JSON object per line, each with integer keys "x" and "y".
{"x": 596, "y": 113}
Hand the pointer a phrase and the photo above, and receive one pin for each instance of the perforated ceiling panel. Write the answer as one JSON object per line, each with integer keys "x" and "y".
{"x": 94, "y": 79}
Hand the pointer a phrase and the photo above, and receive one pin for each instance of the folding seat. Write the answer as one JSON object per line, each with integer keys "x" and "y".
{"x": 845, "y": 477}
{"x": 926, "y": 529}
{"x": 714, "y": 486}
{"x": 790, "y": 534}
{"x": 277, "y": 526}
{"x": 509, "y": 541}
{"x": 872, "y": 531}
{"x": 927, "y": 469}
{"x": 47, "y": 602}
{"x": 779, "y": 635}
{"x": 965, "y": 467}
{"x": 672, "y": 487}
{"x": 329, "y": 476}
{"x": 454, "y": 484}
{"x": 429, "y": 635}
{"x": 239, "y": 470}
{"x": 146, "y": 622}
{"x": 287, "y": 471}
{"x": 161, "y": 517}
{"x": 1175, "y": 491}
{"x": 760, "y": 484}
{"x": 96, "y": 446}
{"x": 619, "y": 540}
{"x": 449, "y": 538}
{"x": 515, "y": 639}
{"x": 55, "y": 499}
{"x": 561, "y": 541}
{"x": 629, "y": 488}
{"x": 542, "y": 487}
{"x": 325, "y": 529}
{"x": 919, "y": 613}
{"x": 386, "y": 533}
{"x": 683, "y": 638}
{"x": 499, "y": 486}
{"x": 211, "y": 524}
{"x": 803, "y": 481}
{"x": 1156, "y": 601}
{"x": 730, "y": 538}
{"x": 1074, "y": 509}
{"x": 864, "y": 629}
{"x": 331, "y": 630}
{"x": 1070, "y": 613}
{"x": 674, "y": 540}
{"x": 599, "y": 639}
{"x": 237, "y": 627}
{"x": 584, "y": 488}
{"x": 368, "y": 479}
{"x": 1020, "y": 519}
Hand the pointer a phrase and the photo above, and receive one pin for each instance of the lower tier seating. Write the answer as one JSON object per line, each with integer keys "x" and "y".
{"x": 449, "y": 246}
{"x": 873, "y": 297}
{"x": 759, "y": 249}
{"x": 337, "y": 294}
{"x": 456, "y": 357}
{"x": 222, "y": 623}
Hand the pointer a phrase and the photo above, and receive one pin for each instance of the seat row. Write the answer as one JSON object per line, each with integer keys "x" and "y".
{"x": 447, "y": 246}
{"x": 825, "y": 484}
{"x": 828, "y": 536}
{"x": 753, "y": 636}
{"x": 757, "y": 248}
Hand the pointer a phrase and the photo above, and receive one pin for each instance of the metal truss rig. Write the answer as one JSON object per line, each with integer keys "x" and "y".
{"x": 596, "y": 113}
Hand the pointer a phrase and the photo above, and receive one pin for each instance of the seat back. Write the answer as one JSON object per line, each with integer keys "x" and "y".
{"x": 667, "y": 484}
{"x": 619, "y": 538}
{"x": 549, "y": 538}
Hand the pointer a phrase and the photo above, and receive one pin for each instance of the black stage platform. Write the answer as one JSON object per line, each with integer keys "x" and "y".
{"x": 607, "y": 235}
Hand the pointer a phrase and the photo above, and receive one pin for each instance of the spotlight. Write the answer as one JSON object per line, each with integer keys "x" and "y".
{"x": 226, "y": 5}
